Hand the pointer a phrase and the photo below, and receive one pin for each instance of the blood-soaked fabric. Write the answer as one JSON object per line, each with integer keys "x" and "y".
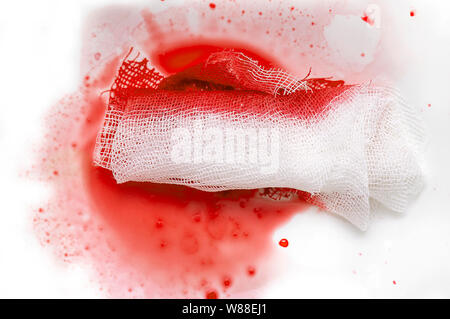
{"x": 347, "y": 146}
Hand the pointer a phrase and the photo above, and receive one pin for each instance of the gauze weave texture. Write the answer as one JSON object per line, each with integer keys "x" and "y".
{"x": 351, "y": 147}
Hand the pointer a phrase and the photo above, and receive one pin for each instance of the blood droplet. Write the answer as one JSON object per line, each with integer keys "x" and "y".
{"x": 212, "y": 294}
{"x": 284, "y": 242}
{"x": 227, "y": 282}
{"x": 367, "y": 19}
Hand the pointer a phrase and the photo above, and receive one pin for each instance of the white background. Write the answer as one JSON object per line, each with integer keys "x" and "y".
{"x": 327, "y": 257}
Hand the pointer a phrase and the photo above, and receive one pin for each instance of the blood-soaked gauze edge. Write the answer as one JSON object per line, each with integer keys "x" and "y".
{"x": 230, "y": 124}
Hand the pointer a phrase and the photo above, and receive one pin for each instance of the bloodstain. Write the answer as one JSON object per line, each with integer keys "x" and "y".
{"x": 153, "y": 240}
{"x": 212, "y": 294}
{"x": 184, "y": 55}
{"x": 367, "y": 19}
{"x": 227, "y": 282}
{"x": 284, "y": 242}
{"x": 412, "y": 13}
{"x": 169, "y": 236}
{"x": 394, "y": 282}
{"x": 210, "y": 246}
{"x": 251, "y": 271}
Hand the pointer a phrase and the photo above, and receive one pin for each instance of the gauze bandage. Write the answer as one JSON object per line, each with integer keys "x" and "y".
{"x": 228, "y": 123}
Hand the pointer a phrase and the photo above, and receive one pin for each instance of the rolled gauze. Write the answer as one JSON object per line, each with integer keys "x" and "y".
{"x": 231, "y": 124}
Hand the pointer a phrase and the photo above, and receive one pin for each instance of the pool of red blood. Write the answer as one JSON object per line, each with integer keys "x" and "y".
{"x": 176, "y": 237}
{"x": 184, "y": 55}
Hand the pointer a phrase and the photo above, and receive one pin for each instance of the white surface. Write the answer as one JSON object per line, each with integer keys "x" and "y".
{"x": 327, "y": 256}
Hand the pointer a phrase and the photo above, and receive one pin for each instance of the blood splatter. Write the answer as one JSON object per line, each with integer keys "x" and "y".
{"x": 153, "y": 240}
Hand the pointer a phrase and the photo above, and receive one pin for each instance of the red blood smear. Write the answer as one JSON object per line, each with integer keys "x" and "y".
{"x": 394, "y": 282}
{"x": 181, "y": 57}
{"x": 176, "y": 236}
{"x": 183, "y": 233}
{"x": 212, "y": 5}
{"x": 367, "y": 19}
{"x": 284, "y": 242}
{"x": 412, "y": 13}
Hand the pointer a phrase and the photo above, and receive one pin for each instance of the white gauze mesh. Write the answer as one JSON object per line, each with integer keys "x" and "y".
{"x": 348, "y": 146}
